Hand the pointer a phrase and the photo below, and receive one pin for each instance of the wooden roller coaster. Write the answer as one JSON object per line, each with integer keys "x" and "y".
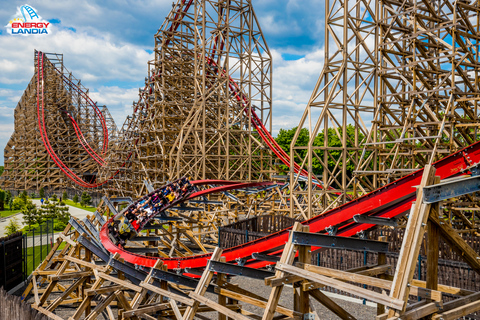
{"x": 410, "y": 68}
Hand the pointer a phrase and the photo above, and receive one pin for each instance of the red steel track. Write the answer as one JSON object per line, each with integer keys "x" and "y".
{"x": 234, "y": 88}
{"x": 389, "y": 201}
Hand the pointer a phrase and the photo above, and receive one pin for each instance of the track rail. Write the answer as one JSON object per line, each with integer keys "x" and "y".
{"x": 389, "y": 201}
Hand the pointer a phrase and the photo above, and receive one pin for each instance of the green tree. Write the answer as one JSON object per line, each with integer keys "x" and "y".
{"x": 285, "y": 137}
{"x": 30, "y": 214}
{"x": 54, "y": 197}
{"x": 1, "y": 170}
{"x": 64, "y": 195}
{"x": 8, "y": 197}
{"x": 2, "y": 200}
{"x": 75, "y": 198}
{"x": 12, "y": 227}
{"x": 42, "y": 192}
{"x": 86, "y": 199}
{"x": 23, "y": 196}
{"x": 55, "y": 210}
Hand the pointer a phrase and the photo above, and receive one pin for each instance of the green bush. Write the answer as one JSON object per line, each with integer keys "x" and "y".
{"x": 42, "y": 193}
{"x": 54, "y": 197}
{"x": 86, "y": 199}
{"x": 12, "y": 227}
{"x": 18, "y": 203}
{"x": 64, "y": 195}
{"x": 59, "y": 225}
{"x": 75, "y": 199}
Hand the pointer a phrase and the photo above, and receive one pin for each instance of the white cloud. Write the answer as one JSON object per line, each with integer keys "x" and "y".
{"x": 293, "y": 83}
{"x": 118, "y": 100}
{"x": 91, "y": 58}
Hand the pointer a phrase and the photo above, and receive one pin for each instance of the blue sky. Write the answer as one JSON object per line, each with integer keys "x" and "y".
{"x": 97, "y": 36}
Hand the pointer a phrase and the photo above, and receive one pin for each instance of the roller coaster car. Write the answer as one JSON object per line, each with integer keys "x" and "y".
{"x": 130, "y": 221}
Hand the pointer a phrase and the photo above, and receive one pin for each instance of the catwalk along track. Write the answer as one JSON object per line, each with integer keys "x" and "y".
{"x": 392, "y": 200}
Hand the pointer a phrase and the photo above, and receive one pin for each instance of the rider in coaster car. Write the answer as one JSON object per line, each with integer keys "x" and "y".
{"x": 132, "y": 218}
{"x": 113, "y": 230}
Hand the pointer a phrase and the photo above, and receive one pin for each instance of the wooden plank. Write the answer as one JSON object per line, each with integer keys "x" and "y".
{"x": 139, "y": 296}
{"x": 101, "y": 306}
{"x": 411, "y": 243}
{"x": 85, "y": 263}
{"x": 70, "y": 275}
{"x": 35, "y": 290}
{"x": 47, "y": 313}
{"x": 331, "y": 305}
{"x": 257, "y": 302}
{"x": 458, "y": 312}
{"x": 367, "y": 294}
{"x": 461, "y": 302}
{"x": 375, "y": 282}
{"x": 443, "y": 288}
{"x": 103, "y": 290}
{"x": 123, "y": 283}
{"x": 422, "y": 311}
{"x": 287, "y": 257}
{"x": 304, "y": 256}
{"x": 457, "y": 243}
{"x": 222, "y": 300}
{"x": 202, "y": 285}
{"x": 144, "y": 310}
{"x": 166, "y": 293}
{"x": 65, "y": 294}
{"x": 176, "y": 311}
{"x": 212, "y": 304}
{"x": 275, "y": 282}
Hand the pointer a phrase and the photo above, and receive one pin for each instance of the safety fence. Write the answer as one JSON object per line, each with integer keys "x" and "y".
{"x": 12, "y": 307}
{"x": 11, "y": 261}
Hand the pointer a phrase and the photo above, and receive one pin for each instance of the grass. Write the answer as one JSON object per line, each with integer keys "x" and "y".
{"x": 28, "y": 231}
{"x": 77, "y": 205}
{"x": 8, "y": 213}
{"x": 40, "y": 253}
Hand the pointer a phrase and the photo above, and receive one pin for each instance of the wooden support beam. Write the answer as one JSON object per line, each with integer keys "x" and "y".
{"x": 171, "y": 295}
{"x": 212, "y": 304}
{"x": 370, "y": 281}
{"x": 457, "y": 243}
{"x": 101, "y": 306}
{"x": 287, "y": 257}
{"x": 364, "y": 293}
{"x": 257, "y": 302}
{"x": 202, "y": 285}
{"x": 382, "y": 260}
{"x": 145, "y": 310}
{"x": 331, "y": 305}
{"x": 304, "y": 256}
{"x": 66, "y": 293}
{"x": 412, "y": 240}
{"x": 459, "y": 311}
{"x": 421, "y": 311}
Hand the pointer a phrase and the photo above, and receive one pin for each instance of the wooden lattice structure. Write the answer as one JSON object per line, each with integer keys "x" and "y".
{"x": 28, "y": 165}
{"x": 410, "y": 68}
{"x": 212, "y": 67}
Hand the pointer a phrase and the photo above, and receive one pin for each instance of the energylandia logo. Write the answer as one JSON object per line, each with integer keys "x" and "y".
{"x": 27, "y": 22}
